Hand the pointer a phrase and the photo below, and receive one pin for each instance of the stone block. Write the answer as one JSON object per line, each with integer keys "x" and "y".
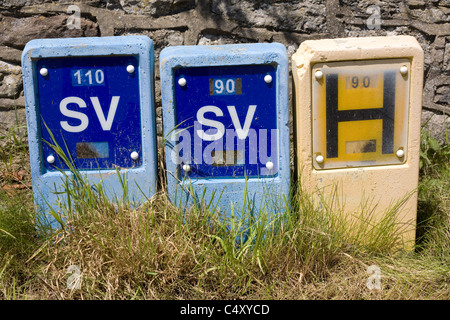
{"x": 38, "y": 27}
{"x": 10, "y": 80}
{"x": 436, "y": 125}
{"x": 442, "y": 94}
{"x": 10, "y": 85}
{"x": 157, "y": 8}
{"x": 304, "y": 16}
{"x": 446, "y": 65}
{"x": 10, "y": 54}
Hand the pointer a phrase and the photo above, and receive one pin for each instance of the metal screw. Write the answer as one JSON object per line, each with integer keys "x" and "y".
{"x": 319, "y": 159}
{"x": 134, "y": 155}
{"x": 403, "y": 70}
{"x": 400, "y": 153}
{"x": 186, "y": 167}
{"x": 268, "y": 78}
{"x": 182, "y": 82}
{"x": 269, "y": 165}
{"x": 43, "y": 72}
{"x": 130, "y": 68}
{"x": 318, "y": 75}
{"x": 51, "y": 159}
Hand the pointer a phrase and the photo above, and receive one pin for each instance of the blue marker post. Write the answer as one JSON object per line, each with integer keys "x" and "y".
{"x": 225, "y": 112}
{"x": 96, "y": 97}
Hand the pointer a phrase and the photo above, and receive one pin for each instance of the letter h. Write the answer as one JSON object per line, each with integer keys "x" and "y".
{"x": 334, "y": 116}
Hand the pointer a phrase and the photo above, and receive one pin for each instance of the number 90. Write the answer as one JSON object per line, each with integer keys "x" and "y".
{"x": 220, "y": 87}
{"x": 365, "y": 82}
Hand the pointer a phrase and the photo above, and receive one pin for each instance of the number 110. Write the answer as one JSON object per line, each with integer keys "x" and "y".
{"x": 82, "y": 77}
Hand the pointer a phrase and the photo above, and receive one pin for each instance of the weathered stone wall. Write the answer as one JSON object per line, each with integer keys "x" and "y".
{"x": 203, "y": 22}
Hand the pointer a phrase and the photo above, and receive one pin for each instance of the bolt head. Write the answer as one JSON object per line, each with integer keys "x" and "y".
{"x": 186, "y": 167}
{"x": 404, "y": 70}
{"x": 51, "y": 159}
{"x": 319, "y": 159}
{"x": 268, "y": 78}
{"x": 182, "y": 82}
{"x": 43, "y": 72}
{"x": 134, "y": 155}
{"x": 318, "y": 75}
{"x": 130, "y": 68}
{"x": 269, "y": 165}
{"x": 400, "y": 153}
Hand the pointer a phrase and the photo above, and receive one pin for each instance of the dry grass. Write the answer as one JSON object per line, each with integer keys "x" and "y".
{"x": 159, "y": 252}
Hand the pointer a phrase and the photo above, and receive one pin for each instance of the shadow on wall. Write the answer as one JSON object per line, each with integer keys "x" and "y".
{"x": 288, "y": 17}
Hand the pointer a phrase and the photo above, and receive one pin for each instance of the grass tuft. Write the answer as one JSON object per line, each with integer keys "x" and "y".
{"x": 300, "y": 250}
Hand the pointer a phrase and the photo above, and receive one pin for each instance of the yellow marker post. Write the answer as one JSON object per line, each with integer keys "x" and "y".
{"x": 358, "y": 108}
